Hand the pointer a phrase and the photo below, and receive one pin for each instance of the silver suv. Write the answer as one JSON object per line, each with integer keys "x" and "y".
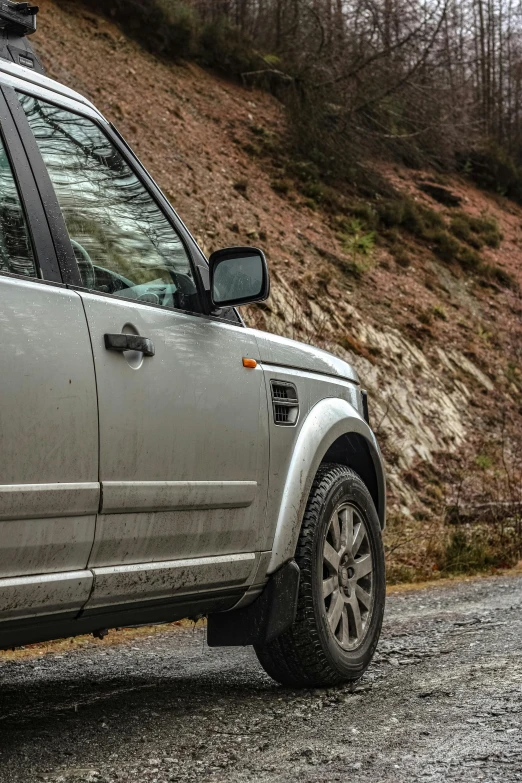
{"x": 160, "y": 460}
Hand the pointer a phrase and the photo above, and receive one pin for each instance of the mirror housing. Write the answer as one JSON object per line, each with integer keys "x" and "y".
{"x": 238, "y": 276}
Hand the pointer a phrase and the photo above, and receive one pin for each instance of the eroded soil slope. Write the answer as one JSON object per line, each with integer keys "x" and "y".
{"x": 439, "y": 350}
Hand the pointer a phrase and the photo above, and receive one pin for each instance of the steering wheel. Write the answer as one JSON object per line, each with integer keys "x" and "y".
{"x": 85, "y": 265}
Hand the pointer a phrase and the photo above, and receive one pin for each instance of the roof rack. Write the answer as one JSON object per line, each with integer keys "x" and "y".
{"x": 18, "y": 20}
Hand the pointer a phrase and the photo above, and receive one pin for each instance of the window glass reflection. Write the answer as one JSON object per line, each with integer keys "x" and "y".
{"x": 123, "y": 243}
{"x": 16, "y": 254}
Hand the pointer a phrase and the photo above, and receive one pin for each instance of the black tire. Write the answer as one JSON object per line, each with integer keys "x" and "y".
{"x": 309, "y": 654}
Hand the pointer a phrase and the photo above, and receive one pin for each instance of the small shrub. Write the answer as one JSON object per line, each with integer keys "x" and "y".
{"x": 356, "y": 241}
{"x": 426, "y": 317}
{"x": 404, "y": 213}
{"x": 439, "y": 312}
{"x": 500, "y": 276}
{"x": 391, "y": 213}
{"x": 258, "y": 130}
{"x": 469, "y": 259}
{"x": 476, "y": 231}
{"x": 460, "y": 228}
{"x": 401, "y": 255}
{"x": 313, "y": 190}
{"x": 446, "y": 246}
{"x": 305, "y": 171}
{"x": 281, "y": 186}
{"x": 223, "y": 46}
{"x": 475, "y": 550}
{"x": 367, "y": 214}
{"x": 252, "y": 149}
{"x": 483, "y": 461}
{"x": 492, "y": 168}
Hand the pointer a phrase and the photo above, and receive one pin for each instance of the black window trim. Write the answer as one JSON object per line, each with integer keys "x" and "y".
{"x": 36, "y": 219}
{"x": 66, "y": 258}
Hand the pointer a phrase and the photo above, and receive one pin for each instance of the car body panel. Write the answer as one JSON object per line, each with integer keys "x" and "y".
{"x": 280, "y": 351}
{"x": 49, "y": 490}
{"x": 311, "y": 388}
{"x": 118, "y": 585}
{"x": 25, "y": 79}
{"x": 183, "y": 440}
{"x": 329, "y": 420}
{"x": 30, "y": 597}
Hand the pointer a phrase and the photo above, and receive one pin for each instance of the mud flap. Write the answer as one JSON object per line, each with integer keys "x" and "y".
{"x": 262, "y": 621}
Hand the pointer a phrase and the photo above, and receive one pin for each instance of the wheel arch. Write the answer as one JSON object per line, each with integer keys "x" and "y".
{"x": 333, "y": 431}
{"x": 353, "y": 450}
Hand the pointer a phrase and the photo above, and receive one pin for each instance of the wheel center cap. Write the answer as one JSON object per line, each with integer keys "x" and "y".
{"x": 346, "y": 574}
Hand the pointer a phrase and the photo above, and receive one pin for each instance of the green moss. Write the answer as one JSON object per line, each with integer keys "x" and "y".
{"x": 484, "y": 462}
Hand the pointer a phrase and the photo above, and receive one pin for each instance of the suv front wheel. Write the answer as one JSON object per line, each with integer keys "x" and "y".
{"x": 342, "y": 588}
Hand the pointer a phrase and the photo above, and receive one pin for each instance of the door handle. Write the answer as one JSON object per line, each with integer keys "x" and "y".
{"x": 129, "y": 342}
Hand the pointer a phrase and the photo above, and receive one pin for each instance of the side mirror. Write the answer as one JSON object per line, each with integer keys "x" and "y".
{"x": 238, "y": 275}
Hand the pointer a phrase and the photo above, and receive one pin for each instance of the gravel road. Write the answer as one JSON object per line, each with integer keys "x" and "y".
{"x": 442, "y": 702}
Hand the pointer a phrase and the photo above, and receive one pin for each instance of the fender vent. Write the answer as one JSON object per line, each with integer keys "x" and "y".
{"x": 285, "y": 403}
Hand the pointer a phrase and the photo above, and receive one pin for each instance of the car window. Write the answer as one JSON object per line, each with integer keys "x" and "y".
{"x": 123, "y": 243}
{"x": 16, "y": 253}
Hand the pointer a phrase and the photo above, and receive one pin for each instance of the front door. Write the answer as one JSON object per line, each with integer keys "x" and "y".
{"x": 183, "y": 424}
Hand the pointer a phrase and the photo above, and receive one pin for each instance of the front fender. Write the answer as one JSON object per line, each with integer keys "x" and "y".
{"x": 329, "y": 420}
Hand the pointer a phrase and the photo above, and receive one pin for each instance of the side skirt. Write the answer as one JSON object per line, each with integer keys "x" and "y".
{"x": 43, "y": 629}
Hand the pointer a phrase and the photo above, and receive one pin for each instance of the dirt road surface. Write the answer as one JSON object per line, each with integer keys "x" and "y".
{"x": 442, "y": 702}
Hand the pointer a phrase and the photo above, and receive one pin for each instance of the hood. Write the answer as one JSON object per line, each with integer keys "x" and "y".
{"x": 289, "y": 353}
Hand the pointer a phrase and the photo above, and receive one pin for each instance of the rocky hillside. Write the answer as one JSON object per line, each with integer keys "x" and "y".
{"x": 430, "y": 318}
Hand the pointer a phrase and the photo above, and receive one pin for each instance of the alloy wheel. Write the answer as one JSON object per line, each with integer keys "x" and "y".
{"x": 347, "y": 577}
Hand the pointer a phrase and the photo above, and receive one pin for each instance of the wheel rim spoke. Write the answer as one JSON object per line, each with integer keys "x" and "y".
{"x": 331, "y": 557}
{"x": 335, "y": 531}
{"x": 345, "y": 628}
{"x": 359, "y": 534}
{"x": 356, "y": 617}
{"x": 329, "y": 585}
{"x": 346, "y": 520}
{"x": 364, "y": 597}
{"x": 363, "y": 566}
{"x": 335, "y": 611}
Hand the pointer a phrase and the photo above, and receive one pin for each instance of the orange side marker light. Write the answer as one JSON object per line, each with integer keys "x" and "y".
{"x": 250, "y": 363}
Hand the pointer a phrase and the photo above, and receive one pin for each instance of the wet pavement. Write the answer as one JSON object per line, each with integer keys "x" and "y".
{"x": 442, "y": 702}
